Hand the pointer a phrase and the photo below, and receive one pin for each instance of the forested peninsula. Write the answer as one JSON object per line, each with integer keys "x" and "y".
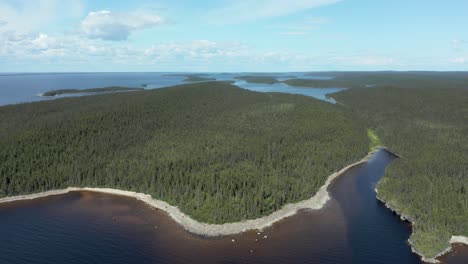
{"x": 258, "y": 79}
{"x": 223, "y": 154}
{"x": 195, "y": 78}
{"x": 427, "y": 124}
{"x": 220, "y": 153}
{"x": 91, "y": 90}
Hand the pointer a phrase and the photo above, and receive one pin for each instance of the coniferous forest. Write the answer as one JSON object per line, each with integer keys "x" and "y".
{"x": 427, "y": 124}
{"x": 219, "y": 152}
{"x": 224, "y": 154}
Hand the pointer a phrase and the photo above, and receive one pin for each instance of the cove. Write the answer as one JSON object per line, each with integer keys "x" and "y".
{"x": 85, "y": 227}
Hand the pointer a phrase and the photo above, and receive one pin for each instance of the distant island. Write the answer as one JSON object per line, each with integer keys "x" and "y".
{"x": 198, "y": 79}
{"x": 91, "y": 90}
{"x": 312, "y": 83}
{"x": 258, "y": 79}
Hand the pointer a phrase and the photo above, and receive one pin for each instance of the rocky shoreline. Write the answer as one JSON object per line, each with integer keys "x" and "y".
{"x": 316, "y": 202}
{"x": 403, "y": 217}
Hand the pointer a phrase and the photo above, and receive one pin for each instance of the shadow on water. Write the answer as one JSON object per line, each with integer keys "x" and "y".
{"x": 83, "y": 227}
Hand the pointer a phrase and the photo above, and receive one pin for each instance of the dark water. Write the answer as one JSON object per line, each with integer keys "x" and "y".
{"x": 85, "y": 227}
{"x": 95, "y": 228}
{"x": 20, "y": 88}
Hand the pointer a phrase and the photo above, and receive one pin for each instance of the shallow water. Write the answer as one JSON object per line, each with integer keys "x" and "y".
{"x": 83, "y": 227}
{"x": 27, "y": 87}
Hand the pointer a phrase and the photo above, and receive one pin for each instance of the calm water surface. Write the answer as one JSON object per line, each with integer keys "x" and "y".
{"x": 83, "y": 227}
{"x": 20, "y": 88}
{"x": 319, "y": 93}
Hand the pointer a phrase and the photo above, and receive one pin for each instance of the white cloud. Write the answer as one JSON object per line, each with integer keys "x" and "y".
{"x": 196, "y": 49}
{"x": 44, "y": 42}
{"x": 238, "y": 11}
{"x": 26, "y": 15}
{"x": 199, "y": 55}
{"x": 458, "y": 44}
{"x": 460, "y": 60}
{"x": 3, "y": 23}
{"x": 108, "y": 25}
{"x": 74, "y": 48}
{"x": 42, "y": 46}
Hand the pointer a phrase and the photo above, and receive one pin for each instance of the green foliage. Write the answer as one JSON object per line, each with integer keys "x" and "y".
{"x": 219, "y": 152}
{"x": 316, "y": 83}
{"x": 428, "y": 127}
{"x": 194, "y": 78}
{"x": 374, "y": 139}
{"x": 384, "y": 79}
{"x": 92, "y": 90}
{"x": 258, "y": 79}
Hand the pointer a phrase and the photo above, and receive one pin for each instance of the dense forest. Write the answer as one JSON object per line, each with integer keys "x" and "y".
{"x": 194, "y": 78}
{"x": 428, "y": 127}
{"x": 258, "y": 79}
{"x": 219, "y": 152}
{"x": 384, "y": 79}
{"x": 224, "y": 154}
{"x": 91, "y": 90}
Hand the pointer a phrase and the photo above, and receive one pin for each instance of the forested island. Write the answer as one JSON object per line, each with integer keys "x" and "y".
{"x": 198, "y": 79}
{"x": 218, "y": 152}
{"x": 427, "y": 125}
{"x": 352, "y": 80}
{"x": 91, "y": 90}
{"x": 315, "y": 83}
{"x": 258, "y": 79}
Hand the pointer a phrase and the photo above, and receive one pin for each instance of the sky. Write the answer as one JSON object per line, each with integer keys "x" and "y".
{"x": 232, "y": 35}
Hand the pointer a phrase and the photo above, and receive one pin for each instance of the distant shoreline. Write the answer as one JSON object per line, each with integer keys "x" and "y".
{"x": 59, "y": 92}
{"x": 316, "y": 202}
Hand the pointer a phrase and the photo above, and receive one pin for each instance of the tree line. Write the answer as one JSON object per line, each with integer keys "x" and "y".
{"x": 219, "y": 153}
{"x": 428, "y": 126}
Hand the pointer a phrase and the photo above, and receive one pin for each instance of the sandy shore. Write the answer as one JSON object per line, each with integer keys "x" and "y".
{"x": 318, "y": 201}
{"x": 453, "y": 240}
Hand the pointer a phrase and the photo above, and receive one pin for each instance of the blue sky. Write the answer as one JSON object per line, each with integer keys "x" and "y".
{"x": 232, "y": 35}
